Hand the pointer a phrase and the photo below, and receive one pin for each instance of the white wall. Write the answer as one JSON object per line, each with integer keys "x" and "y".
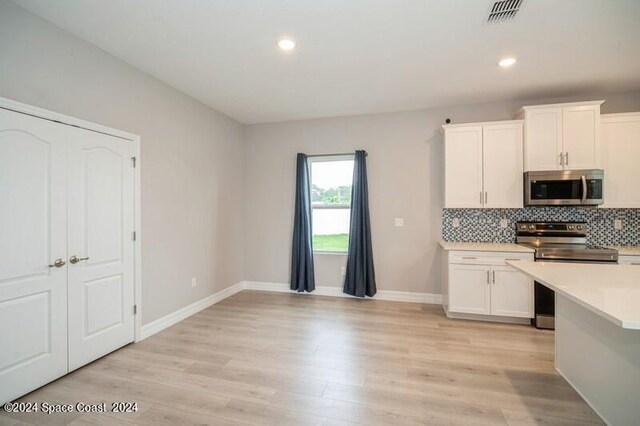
{"x": 405, "y": 180}
{"x": 192, "y": 156}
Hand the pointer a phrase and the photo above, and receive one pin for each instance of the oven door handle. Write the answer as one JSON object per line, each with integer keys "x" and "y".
{"x": 584, "y": 189}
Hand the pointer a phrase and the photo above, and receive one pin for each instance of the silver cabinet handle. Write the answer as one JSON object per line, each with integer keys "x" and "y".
{"x": 561, "y": 158}
{"x": 488, "y": 278}
{"x": 481, "y": 198}
{"x": 494, "y": 277}
{"x": 469, "y": 257}
{"x": 634, "y": 263}
{"x": 584, "y": 188}
{"x": 486, "y": 197}
{"x": 511, "y": 259}
{"x": 59, "y": 263}
{"x": 76, "y": 259}
{"x": 566, "y": 158}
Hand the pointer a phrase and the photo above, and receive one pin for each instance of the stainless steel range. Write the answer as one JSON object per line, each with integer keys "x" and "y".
{"x": 558, "y": 242}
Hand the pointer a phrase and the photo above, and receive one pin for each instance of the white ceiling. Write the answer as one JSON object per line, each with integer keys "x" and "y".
{"x": 360, "y": 56}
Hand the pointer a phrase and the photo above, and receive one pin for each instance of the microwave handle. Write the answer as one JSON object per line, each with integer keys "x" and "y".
{"x": 584, "y": 189}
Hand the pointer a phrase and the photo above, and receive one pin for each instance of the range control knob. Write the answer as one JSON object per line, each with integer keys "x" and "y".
{"x": 579, "y": 227}
{"x": 532, "y": 227}
{"x": 523, "y": 226}
{"x": 570, "y": 227}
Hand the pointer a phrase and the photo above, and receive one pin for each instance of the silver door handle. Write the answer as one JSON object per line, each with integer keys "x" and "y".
{"x": 59, "y": 263}
{"x": 566, "y": 158}
{"x": 481, "y": 198}
{"x": 488, "y": 278}
{"x": 76, "y": 259}
{"x": 469, "y": 257}
{"x": 561, "y": 158}
{"x": 584, "y": 188}
{"x": 494, "y": 277}
{"x": 486, "y": 197}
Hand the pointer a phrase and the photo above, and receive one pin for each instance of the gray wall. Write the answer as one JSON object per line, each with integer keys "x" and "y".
{"x": 192, "y": 156}
{"x": 405, "y": 180}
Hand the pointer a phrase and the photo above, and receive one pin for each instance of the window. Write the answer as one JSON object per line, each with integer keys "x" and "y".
{"x": 331, "y": 181}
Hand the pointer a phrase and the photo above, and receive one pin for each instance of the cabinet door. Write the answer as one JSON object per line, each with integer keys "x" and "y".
{"x": 469, "y": 290}
{"x": 502, "y": 165}
{"x": 543, "y": 139}
{"x": 581, "y": 137}
{"x": 511, "y": 293}
{"x": 620, "y": 154}
{"x": 463, "y": 167}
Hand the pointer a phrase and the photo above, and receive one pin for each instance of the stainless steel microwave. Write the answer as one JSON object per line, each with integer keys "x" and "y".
{"x": 564, "y": 188}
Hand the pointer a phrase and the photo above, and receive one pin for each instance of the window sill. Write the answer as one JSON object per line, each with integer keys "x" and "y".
{"x": 334, "y": 253}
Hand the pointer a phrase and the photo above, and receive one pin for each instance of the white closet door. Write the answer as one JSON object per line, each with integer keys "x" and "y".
{"x": 503, "y": 165}
{"x": 33, "y": 234}
{"x": 101, "y": 219}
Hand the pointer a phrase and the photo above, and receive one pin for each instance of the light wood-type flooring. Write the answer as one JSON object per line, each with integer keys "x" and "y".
{"x": 285, "y": 359}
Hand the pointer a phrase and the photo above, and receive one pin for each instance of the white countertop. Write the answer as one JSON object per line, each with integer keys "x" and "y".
{"x": 609, "y": 290}
{"x": 506, "y": 247}
{"x": 627, "y": 250}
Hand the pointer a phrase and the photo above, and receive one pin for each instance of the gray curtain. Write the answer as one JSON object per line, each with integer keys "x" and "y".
{"x": 360, "y": 279}
{"x": 302, "y": 274}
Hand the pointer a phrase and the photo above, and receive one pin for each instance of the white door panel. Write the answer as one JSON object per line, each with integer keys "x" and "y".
{"x": 543, "y": 139}
{"x": 581, "y": 137}
{"x": 469, "y": 290}
{"x": 503, "y": 165}
{"x": 463, "y": 167}
{"x": 511, "y": 293}
{"x": 101, "y": 223}
{"x": 33, "y": 233}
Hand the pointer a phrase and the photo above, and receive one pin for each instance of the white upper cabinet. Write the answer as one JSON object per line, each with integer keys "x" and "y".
{"x": 502, "y": 165}
{"x": 620, "y": 157}
{"x": 562, "y": 136}
{"x": 483, "y": 165}
{"x": 463, "y": 167}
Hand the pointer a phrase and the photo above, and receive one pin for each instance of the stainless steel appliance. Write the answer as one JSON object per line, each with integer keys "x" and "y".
{"x": 558, "y": 242}
{"x": 564, "y": 188}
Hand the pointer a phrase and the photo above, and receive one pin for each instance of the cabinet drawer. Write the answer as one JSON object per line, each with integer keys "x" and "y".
{"x": 486, "y": 258}
{"x": 629, "y": 260}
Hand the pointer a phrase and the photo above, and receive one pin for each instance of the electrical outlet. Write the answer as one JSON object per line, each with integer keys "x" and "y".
{"x": 504, "y": 223}
{"x": 617, "y": 224}
{"x": 194, "y": 282}
{"x": 399, "y": 222}
{"x": 455, "y": 222}
{"x": 343, "y": 270}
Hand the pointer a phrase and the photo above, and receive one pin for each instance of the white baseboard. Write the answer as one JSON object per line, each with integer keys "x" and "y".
{"x": 396, "y": 296}
{"x": 175, "y": 317}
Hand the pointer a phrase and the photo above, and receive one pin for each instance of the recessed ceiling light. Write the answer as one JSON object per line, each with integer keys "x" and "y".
{"x": 507, "y": 62}
{"x": 286, "y": 44}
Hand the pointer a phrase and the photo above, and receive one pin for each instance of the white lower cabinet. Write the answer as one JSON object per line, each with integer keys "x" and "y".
{"x": 484, "y": 284}
{"x": 471, "y": 293}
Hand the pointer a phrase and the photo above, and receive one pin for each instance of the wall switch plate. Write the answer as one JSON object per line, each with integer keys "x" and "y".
{"x": 617, "y": 224}
{"x": 455, "y": 222}
{"x": 399, "y": 222}
{"x": 504, "y": 223}
{"x": 194, "y": 282}
{"x": 343, "y": 271}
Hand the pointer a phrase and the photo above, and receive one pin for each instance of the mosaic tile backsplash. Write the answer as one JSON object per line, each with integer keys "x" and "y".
{"x": 483, "y": 225}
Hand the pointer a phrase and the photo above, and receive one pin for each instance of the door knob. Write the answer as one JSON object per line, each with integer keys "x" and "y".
{"x": 59, "y": 263}
{"x": 76, "y": 259}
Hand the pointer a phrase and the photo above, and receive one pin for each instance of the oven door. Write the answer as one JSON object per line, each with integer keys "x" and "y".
{"x": 564, "y": 187}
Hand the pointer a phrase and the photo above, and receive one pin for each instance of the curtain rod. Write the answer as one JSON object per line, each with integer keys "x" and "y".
{"x": 334, "y": 155}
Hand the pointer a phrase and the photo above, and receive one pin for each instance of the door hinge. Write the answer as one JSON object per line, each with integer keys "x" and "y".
{"x": 133, "y": 162}
{"x": 134, "y": 236}
{"x": 135, "y": 309}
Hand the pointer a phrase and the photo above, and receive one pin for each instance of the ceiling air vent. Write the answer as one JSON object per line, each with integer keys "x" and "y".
{"x": 503, "y": 10}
